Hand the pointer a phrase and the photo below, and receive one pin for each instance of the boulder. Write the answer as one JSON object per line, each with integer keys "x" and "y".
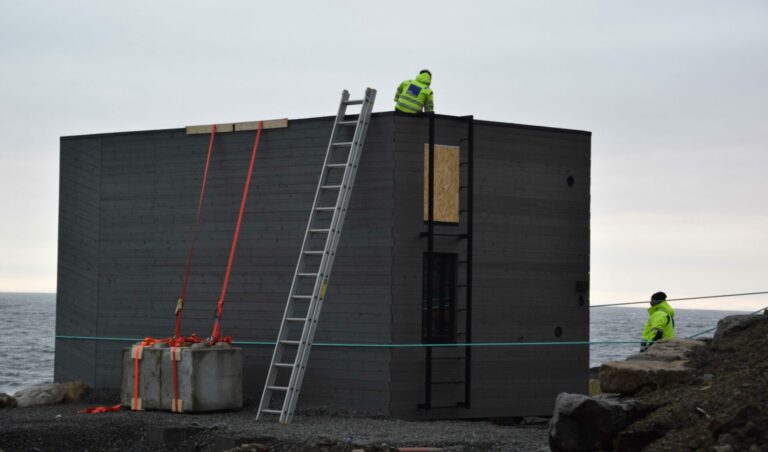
{"x": 669, "y": 350}
{"x": 588, "y": 423}
{"x": 7, "y": 401}
{"x": 51, "y": 393}
{"x": 629, "y": 377}
{"x": 664, "y": 363}
{"x": 735, "y": 323}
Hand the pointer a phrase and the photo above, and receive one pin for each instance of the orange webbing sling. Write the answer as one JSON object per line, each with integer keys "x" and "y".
{"x": 137, "y": 351}
{"x": 216, "y": 335}
{"x": 195, "y": 231}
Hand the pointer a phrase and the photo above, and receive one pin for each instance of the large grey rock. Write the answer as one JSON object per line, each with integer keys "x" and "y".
{"x": 664, "y": 363}
{"x": 51, "y": 393}
{"x": 668, "y": 350}
{"x": 735, "y": 323}
{"x": 7, "y": 401}
{"x": 583, "y": 423}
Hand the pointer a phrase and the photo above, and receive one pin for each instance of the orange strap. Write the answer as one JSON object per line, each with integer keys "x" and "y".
{"x": 176, "y": 402}
{"x": 136, "y": 351}
{"x": 216, "y": 335}
{"x": 195, "y": 231}
{"x": 100, "y": 409}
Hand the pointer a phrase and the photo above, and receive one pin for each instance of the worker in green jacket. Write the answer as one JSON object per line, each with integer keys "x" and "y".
{"x": 661, "y": 321}
{"x": 414, "y": 95}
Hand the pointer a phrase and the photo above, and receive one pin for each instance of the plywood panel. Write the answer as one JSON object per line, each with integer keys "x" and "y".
{"x": 446, "y": 186}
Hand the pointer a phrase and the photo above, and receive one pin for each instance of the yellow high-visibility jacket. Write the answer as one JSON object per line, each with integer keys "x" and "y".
{"x": 414, "y": 95}
{"x": 660, "y": 318}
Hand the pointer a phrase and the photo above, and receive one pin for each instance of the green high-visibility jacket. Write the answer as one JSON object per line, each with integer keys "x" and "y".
{"x": 414, "y": 95}
{"x": 660, "y": 318}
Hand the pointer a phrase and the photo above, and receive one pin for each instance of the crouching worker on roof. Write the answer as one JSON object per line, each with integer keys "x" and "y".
{"x": 414, "y": 95}
{"x": 661, "y": 321}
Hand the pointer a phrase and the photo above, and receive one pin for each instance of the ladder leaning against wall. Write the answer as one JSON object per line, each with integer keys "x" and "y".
{"x": 318, "y": 250}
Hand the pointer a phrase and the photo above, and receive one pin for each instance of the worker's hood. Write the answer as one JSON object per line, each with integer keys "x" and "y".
{"x": 424, "y": 78}
{"x": 664, "y": 307}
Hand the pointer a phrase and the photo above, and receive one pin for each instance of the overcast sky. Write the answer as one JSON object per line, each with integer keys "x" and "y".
{"x": 674, "y": 92}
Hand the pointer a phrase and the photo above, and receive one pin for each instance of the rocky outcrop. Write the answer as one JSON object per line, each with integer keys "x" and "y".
{"x": 735, "y": 323}
{"x": 51, "y": 393}
{"x": 666, "y": 362}
{"x": 589, "y": 423}
{"x": 720, "y": 406}
{"x": 7, "y": 401}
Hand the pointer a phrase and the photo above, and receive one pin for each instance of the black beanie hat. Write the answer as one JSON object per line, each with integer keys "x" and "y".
{"x": 657, "y": 298}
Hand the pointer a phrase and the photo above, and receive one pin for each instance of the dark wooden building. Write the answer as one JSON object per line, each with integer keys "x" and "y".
{"x": 510, "y": 266}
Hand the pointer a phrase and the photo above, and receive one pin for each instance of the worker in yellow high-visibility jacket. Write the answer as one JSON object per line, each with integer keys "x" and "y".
{"x": 413, "y": 96}
{"x": 661, "y": 321}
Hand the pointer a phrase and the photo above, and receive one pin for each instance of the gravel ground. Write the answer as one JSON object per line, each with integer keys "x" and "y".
{"x": 61, "y": 428}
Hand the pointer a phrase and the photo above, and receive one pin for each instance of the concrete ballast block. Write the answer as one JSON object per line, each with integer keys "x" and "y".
{"x": 209, "y": 378}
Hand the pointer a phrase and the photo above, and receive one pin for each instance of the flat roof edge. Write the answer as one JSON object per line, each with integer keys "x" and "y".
{"x": 314, "y": 118}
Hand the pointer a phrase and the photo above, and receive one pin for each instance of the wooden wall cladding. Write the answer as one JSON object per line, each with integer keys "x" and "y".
{"x": 446, "y": 186}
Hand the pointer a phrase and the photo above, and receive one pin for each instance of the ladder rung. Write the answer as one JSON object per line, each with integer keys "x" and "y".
{"x": 303, "y": 296}
{"x": 295, "y": 319}
{"x": 265, "y": 410}
{"x": 342, "y": 143}
{"x": 336, "y": 165}
{"x": 287, "y": 342}
{"x": 314, "y": 252}
{"x": 347, "y": 123}
{"x": 278, "y": 388}
{"x": 325, "y": 208}
{"x": 306, "y": 275}
{"x": 320, "y": 231}
{"x": 354, "y": 102}
{"x": 286, "y": 365}
{"x": 330, "y": 187}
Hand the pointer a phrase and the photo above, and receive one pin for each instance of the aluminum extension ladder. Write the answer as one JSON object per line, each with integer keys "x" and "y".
{"x": 318, "y": 250}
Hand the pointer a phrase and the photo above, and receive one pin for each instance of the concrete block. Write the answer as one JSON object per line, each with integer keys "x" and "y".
{"x": 209, "y": 378}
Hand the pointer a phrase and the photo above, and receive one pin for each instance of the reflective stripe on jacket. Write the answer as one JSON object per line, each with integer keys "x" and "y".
{"x": 414, "y": 95}
{"x": 660, "y": 318}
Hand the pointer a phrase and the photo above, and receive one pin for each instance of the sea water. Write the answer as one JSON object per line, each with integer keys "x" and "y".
{"x": 27, "y": 326}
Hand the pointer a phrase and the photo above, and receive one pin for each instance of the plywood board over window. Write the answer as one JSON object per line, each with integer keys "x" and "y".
{"x": 446, "y": 186}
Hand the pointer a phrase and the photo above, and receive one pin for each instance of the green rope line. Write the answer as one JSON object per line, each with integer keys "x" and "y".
{"x": 416, "y": 345}
{"x": 374, "y": 345}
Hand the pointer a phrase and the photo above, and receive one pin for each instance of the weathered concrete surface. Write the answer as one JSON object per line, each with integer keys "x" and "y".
{"x": 664, "y": 363}
{"x": 590, "y": 423}
{"x": 209, "y": 378}
{"x": 51, "y": 393}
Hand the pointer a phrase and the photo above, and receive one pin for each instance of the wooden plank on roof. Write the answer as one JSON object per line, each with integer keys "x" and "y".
{"x": 446, "y": 186}
{"x": 268, "y": 124}
{"x": 238, "y": 126}
{"x": 220, "y": 128}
